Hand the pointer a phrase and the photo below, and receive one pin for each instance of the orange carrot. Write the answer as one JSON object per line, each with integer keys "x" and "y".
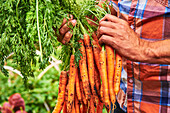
{"x": 65, "y": 100}
{"x": 101, "y": 93}
{"x": 66, "y": 94}
{"x": 96, "y": 52}
{"x": 100, "y": 107}
{"x": 85, "y": 108}
{"x": 61, "y": 92}
{"x": 73, "y": 108}
{"x": 78, "y": 92}
{"x": 90, "y": 62}
{"x": 91, "y": 106}
{"x": 104, "y": 77}
{"x": 81, "y": 109}
{"x": 94, "y": 37}
{"x": 83, "y": 50}
{"x": 96, "y": 40}
{"x": 97, "y": 80}
{"x": 65, "y": 107}
{"x": 77, "y": 105}
{"x": 110, "y": 70}
{"x": 82, "y": 93}
{"x": 71, "y": 85}
{"x": 118, "y": 70}
{"x": 83, "y": 72}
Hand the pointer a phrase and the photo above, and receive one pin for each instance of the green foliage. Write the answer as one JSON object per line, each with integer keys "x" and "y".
{"x": 20, "y": 22}
{"x": 28, "y": 25}
{"x": 40, "y": 91}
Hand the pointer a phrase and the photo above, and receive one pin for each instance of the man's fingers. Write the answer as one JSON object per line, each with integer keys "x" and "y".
{"x": 106, "y": 39}
{"x": 65, "y": 27}
{"x": 66, "y": 20}
{"x": 111, "y": 18}
{"x": 107, "y": 31}
{"x": 108, "y": 24}
{"x": 67, "y": 37}
{"x": 59, "y": 38}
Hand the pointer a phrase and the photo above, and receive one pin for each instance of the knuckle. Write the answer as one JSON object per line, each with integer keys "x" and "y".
{"x": 101, "y": 29}
{"x": 124, "y": 23}
{"x": 102, "y": 23}
{"x": 107, "y": 15}
{"x": 62, "y": 31}
{"x": 70, "y": 17}
{"x": 73, "y": 22}
{"x": 102, "y": 38}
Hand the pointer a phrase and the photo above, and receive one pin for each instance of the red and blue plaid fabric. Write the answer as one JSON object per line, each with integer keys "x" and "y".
{"x": 145, "y": 88}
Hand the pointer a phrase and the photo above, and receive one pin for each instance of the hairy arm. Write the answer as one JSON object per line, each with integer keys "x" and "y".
{"x": 118, "y": 34}
{"x": 155, "y": 52}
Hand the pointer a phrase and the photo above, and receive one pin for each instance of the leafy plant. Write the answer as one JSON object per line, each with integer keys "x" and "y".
{"x": 42, "y": 92}
{"x": 26, "y": 26}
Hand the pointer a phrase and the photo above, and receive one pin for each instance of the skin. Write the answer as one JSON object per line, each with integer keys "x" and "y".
{"x": 65, "y": 30}
{"x": 125, "y": 41}
{"x": 118, "y": 34}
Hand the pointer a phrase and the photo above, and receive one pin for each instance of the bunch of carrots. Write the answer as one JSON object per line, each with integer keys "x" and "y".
{"x": 94, "y": 83}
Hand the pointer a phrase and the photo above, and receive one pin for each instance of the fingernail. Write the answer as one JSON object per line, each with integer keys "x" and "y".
{"x": 74, "y": 21}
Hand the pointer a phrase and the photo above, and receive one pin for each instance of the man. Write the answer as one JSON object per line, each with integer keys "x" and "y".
{"x": 142, "y": 37}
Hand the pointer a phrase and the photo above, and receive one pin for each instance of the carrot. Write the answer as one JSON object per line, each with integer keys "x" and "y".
{"x": 118, "y": 70}
{"x": 83, "y": 72}
{"x": 97, "y": 80}
{"x": 94, "y": 37}
{"x": 110, "y": 70}
{"x": 78, "y": 92}
{"x": 85, "y": 108}
{"x": 96, "y": 52}
{"x": 71, "y": 85}
{"x": 66, "y": 99}
{"x": 104, "y": 77}
{"x": 82, "y": 93}
{"x": 90, "y": 62}
{"x": 66, "y": 94}
{"x": 100, "y": 107}
{"x": 101, "y": 93}
{"x": 65, "y": 107}
{"x": 62, "y": 87}
{"x": 81, "y": 109}
{"x": 91, "y": 106}
{"x": 96, "y": 40}
{"x": 83, "y": 50}
{"x": 73, "y": 108}
{"x": 77, "y": 105}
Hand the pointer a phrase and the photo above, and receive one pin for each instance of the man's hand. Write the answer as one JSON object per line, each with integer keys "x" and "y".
{"x": 118, "y": 34}
{"x": 65, "y": 33}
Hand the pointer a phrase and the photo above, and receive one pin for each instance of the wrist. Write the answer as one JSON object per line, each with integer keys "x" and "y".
{"x": 147, "y": 51}
{"x": 151, "y": 50}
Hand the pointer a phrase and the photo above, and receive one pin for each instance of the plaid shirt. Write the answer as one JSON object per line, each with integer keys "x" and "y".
{"x": 146, "y": 89}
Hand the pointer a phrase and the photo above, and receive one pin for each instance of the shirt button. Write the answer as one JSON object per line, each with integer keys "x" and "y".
{"x": 130, "y": 80}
